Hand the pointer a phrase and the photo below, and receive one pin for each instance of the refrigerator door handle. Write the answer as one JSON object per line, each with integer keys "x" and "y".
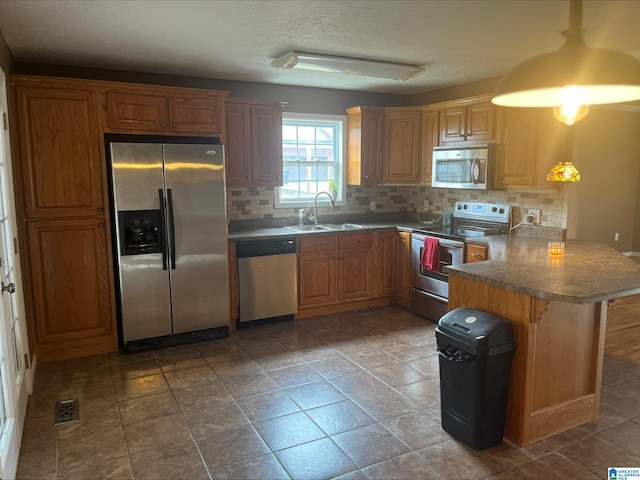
{"x": 163, "y": 230}
{"x": 172, "y": 230}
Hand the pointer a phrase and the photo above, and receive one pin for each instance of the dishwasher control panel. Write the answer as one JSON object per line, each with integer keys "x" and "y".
{"x": 261, "y": 248}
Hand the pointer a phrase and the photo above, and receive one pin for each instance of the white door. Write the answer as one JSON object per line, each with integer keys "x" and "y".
{"x": 15, "y": 380}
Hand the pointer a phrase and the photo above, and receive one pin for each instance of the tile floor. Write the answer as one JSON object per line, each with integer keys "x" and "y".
{"x": 354, "y": 396}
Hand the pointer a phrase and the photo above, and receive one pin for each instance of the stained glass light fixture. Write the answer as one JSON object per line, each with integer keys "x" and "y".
{"x": 564, "y": 172}
{"x": 571, "y": 78}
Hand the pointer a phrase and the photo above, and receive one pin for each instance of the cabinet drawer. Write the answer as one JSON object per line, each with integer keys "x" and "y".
{"x": 477, "y": 253}
{"x": 318, "y": 243}
{"x": 354, "y": 241}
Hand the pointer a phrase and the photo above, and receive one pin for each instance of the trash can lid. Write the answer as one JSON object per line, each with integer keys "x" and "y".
{"x": 476, "y": 328}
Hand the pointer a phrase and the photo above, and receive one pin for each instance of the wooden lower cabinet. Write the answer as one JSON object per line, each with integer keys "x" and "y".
{"x": 386, "y": 257}
{"x": 317, "y": 283}
{"x": 71, "y": 288}
{"x": 334, "y": 269}
{"x": 402, "y": 264}
{"x": 393, "y": 264}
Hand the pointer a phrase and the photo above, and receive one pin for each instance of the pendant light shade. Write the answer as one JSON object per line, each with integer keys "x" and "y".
{"x": 564, "y": 172}
{"x": 574, "y": 76}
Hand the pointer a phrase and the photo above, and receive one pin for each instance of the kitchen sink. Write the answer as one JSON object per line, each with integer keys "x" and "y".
{"x": 316, "y": 228}
{"x": 308, "y": 228}
{"x": 347, "y": 226}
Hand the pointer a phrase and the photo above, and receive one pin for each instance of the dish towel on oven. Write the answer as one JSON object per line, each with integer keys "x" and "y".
{"x": 431, "y": 254}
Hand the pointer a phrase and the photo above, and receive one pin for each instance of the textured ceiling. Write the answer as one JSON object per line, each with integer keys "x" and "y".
{"x": 458, "y": 40}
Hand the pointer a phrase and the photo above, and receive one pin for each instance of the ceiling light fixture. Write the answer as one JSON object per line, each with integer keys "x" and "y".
{"x": 353, "y": 66}
{"x": 571, "y": 78}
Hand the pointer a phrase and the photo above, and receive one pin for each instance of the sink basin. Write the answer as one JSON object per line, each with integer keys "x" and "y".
{"x": 308, "y": 228}
{"x": 347, "y": 226}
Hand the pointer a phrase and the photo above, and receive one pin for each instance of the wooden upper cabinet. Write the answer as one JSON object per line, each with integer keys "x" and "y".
{"x": 470, "y": 120}
{"x": 150, "y": 109}
{"x": 196, "y": 115}
{"x": 429, "y": 139}
{"x": 61, "y": 155}
{"x": 365, "y": 126}
{"x": 137, "y": 112}
{"x": 238, "y": 144}
{"x": 402, "y": 146}
{"x": 266, "y": 144}
{"x": 254, "y": 142}
{"x": 530, "y": 143}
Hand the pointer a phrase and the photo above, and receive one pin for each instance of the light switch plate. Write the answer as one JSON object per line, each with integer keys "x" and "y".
{"x": 372, "y": 205}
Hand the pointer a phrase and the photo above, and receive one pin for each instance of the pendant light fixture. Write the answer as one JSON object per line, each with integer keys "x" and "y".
{"x": 564, "y": 172}
{"x": 571, "y": 78}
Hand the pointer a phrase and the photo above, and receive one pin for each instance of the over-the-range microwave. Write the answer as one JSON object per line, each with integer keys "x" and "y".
{"x": 463, "y": 167}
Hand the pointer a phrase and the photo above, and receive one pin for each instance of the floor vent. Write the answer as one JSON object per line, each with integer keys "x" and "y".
{"x": 66, "y": 411}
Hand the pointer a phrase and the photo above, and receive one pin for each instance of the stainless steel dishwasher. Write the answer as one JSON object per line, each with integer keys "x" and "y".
{"x": 267, "y": 281}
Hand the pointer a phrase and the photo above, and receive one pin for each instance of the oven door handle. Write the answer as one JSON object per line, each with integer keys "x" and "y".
{"x": 443, "y": 241}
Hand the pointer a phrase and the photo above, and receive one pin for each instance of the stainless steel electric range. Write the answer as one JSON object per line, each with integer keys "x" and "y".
{"x": 430, "y": 286}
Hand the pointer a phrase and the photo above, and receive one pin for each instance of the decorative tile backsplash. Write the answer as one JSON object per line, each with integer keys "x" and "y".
{"x": 254, "y": 203}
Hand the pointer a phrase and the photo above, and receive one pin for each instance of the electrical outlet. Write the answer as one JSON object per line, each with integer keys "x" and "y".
{"x": 616, "y": 237}
{"x": 425, "y": 205}
{"x": 372, "y": 205}
{"x": 533, "y": 216}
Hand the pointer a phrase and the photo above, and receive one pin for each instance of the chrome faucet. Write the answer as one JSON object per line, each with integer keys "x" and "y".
{"x": 314, "y": 217}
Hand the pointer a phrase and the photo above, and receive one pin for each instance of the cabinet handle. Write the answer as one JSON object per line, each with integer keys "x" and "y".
{"x": 173, "y": 125}
{"x": 101, "y": 224}
{"x": 333, "y": 258}
{"x": 100, "y": 209}
{"x": 366, "y": 176}
{"x": 246, "y": 178}
{"x": 162, "y": 124}
{"x": 277, "y": 177}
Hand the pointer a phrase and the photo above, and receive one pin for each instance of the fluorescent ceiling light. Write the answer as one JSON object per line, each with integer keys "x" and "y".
{"x": 353, "y": 66}
{"x": 572, "y": 77}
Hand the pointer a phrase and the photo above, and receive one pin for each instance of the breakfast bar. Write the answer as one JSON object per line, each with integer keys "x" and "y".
{"x": 558, "y": 306}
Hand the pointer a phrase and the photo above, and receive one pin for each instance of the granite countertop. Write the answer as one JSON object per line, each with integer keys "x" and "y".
{"x": 586, "y": 273}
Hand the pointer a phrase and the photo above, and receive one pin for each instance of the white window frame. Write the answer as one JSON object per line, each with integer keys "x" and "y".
{"x": 341, "y": 150}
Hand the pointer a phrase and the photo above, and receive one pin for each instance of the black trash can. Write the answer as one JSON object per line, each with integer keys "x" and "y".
{"x": 475, "y": 351}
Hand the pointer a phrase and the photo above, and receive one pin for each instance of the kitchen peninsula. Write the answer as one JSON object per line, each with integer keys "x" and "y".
{"x": 558, "y": 307}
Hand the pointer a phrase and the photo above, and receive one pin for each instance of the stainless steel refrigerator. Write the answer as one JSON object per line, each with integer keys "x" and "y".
{"x": 171, "y": 227}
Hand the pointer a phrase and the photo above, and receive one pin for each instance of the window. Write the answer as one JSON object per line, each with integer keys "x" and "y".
{"x": 313, "y": 159}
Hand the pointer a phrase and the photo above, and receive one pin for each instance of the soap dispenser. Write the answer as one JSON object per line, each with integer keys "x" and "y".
{"x": 300, "y": 216}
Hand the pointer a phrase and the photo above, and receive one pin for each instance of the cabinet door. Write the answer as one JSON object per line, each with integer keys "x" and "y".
{"x": 365, "y": 145}
{"x": 61, "y": 152}
{"x": 429, "y": 139}
{"x": 353, "y": 275}
{"x": 196, "y": 115}
{"x": 317, "y": 284}
{"x": 480, "y": 121}
{"x": 531, "y": 142}
{"x": 453, "y": 122}
{"x": 515, "y": 162}
{"x": 71, "y": 287}
{"x": 402, "y": 159}
{"x": 127, "y": 111}
{"x": 238, "y": 144}
{"x": 403, "y": 265}
{"x": 387, "y": 245}
{"x": 266, "y": 145}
